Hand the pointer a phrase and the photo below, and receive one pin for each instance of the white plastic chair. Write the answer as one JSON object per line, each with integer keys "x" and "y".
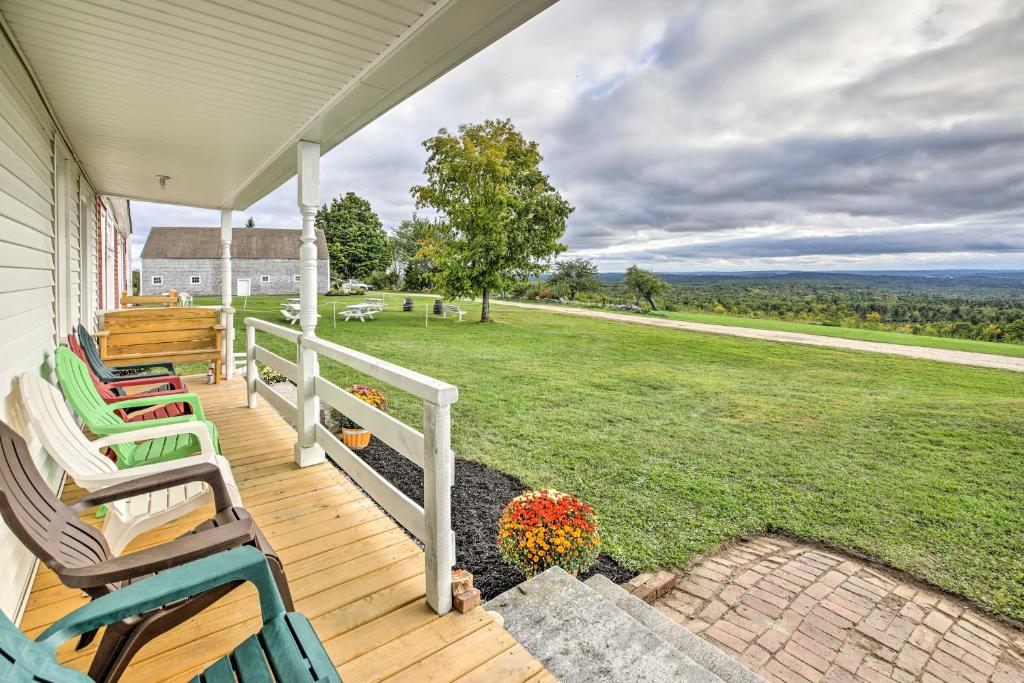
{"x": 91, "y": 469}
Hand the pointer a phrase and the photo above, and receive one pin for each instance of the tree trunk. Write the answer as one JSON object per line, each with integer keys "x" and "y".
{"x": 485, "y": 308}
{"x": 650, "y": 300}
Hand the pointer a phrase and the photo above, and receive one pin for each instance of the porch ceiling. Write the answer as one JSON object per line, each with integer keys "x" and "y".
{"x": 215, "y": 95}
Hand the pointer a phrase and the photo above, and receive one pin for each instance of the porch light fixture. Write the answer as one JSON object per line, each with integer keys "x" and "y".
{"x": 162, "y": 179}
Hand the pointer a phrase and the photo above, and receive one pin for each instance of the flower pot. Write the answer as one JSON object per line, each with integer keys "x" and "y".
{"x": 355, "y": 439}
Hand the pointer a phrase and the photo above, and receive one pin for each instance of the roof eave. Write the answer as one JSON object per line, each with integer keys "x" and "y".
{"x": 443, "y": 39}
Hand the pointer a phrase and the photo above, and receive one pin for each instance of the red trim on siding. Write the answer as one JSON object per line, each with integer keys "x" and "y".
{"x": 99, "y": 253}
{"x": 117, "y": 271}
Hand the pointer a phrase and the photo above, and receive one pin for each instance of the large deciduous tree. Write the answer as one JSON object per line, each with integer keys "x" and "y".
{"x": 356, "y": 240}
{"x": 501, "y": 217}
{"x": 575, "y": 275}
{"x": 644, "y": 284}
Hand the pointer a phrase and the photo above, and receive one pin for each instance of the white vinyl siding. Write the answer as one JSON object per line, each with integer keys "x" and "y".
{"x": 27, "y": 285}
{"x": 43, "y": 285}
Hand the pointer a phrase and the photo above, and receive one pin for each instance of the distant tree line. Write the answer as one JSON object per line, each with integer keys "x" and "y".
{"x": 978, "y": 307}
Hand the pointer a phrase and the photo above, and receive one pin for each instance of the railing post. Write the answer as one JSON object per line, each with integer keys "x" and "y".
{"x": 250, "y": 364}
{"x": 437, "y": 505}
{"x": 225, "y": 293}
{"x": 229, "y": 342}
{"x": 307, "y": 451}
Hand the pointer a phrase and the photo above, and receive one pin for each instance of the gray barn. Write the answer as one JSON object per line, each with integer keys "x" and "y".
{"x": 188, "y": 260}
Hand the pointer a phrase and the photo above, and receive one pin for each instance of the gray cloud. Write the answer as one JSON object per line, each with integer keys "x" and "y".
{"x": 689, "y": 133}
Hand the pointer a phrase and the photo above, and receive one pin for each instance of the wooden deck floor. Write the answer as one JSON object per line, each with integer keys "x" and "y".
{"x": 351, "y": 570}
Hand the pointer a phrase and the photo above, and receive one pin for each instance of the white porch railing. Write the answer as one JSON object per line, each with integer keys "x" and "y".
{"x": 429, "y": 449}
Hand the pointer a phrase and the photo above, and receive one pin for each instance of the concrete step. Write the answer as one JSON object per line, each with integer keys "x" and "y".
{"x": 583, "y": 637}
{"x": 699, "y": 650}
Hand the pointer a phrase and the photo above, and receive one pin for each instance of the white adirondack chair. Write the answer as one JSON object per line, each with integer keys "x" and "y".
{"x": 86, "y": 463}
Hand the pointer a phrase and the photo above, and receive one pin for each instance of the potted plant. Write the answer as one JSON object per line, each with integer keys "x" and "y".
{"x": 352, "y": 434}
{"x": 546, "y": 528}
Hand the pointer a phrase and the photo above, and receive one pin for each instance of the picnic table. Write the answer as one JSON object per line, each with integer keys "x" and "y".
{"x": 361, "y": 311}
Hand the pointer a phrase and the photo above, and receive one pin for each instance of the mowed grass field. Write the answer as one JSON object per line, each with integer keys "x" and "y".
{"x": 973, "y": 345}
{"x": 683, "y": 441}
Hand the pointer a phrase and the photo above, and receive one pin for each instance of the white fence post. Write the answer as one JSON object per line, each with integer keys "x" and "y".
{"x": 437, "y": 505}
{"x": 250, "y": 364}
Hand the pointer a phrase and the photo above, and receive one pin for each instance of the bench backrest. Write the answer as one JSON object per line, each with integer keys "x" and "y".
{"x": 451, "y": 308}
{"x": 170, "y": 299}
{"x": 154, "y": 331}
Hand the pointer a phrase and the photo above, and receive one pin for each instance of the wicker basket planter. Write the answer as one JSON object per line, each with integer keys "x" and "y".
{"x": 355, "y": 439}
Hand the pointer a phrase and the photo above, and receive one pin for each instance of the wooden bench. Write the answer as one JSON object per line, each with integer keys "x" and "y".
{"x": 175, "y": 334}
{"x": 167, "y": 300}
{"x": 453, "y": 309}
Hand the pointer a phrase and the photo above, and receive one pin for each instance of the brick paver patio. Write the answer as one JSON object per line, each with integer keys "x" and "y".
{"x": 797, "y": 613}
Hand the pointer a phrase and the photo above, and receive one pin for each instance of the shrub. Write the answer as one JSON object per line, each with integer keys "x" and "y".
{"x": 271, "y": 376}
{"x": 366, "y": 394}
{"x": 545, "y": 528}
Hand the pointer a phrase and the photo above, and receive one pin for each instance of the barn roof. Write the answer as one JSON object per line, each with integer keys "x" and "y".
{"x": 246, "y": 243}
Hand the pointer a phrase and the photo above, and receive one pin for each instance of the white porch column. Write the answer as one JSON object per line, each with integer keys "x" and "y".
{"x": 307, "y": 452}
{"x": 228, "y": 318}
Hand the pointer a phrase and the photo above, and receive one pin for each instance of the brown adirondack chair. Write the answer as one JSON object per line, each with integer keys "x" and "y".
{"x": 80, "y": 557}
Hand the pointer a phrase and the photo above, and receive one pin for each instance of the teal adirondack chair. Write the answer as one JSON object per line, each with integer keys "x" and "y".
{"x": 103, "y": 419}
{"x": 108, "y": 374}
{"x": 286, "y": 649}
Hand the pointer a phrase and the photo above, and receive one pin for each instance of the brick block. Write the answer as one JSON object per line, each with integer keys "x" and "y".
{"x": 938, "y": 621}
{"x": 462, "y": 581}
{"x": 663, "y": 582}
{"x": 467, "y": 600}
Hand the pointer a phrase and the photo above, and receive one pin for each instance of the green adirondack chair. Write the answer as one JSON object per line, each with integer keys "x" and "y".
{"x": 103, "y": 419}
{"x": 286, "y": 649}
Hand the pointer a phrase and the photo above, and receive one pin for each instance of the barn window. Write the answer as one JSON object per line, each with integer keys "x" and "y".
{"x": 296, "y": 278}
{"x": 158, "y": 279}
{"x": 196, "y": 280}
{"x": 264, "y": 278}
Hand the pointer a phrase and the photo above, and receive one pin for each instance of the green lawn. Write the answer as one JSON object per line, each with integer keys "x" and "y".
{"x": 684, "y": 440}
{"x": 1016, "y": 350}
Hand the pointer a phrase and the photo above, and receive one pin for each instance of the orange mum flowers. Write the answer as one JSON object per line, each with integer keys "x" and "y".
{"x": 545, "y": 528}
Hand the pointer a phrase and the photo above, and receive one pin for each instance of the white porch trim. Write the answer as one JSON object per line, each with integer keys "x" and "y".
{"x": 307, "y": 450}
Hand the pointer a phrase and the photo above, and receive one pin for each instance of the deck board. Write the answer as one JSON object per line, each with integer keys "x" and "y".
{"x": 352, "y": 571}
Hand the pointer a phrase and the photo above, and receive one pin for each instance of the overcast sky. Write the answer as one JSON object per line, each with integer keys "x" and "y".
{"x": 726, "y": 135}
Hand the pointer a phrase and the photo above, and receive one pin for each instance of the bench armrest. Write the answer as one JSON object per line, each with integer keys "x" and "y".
{"x": 152, "y": 430}
{"x": 206, "y": 473}
{"x": 148, "y": 400}
{"x": 173, "y": 380}
{"x": 236, "y": 565}
{"x": 162, "y": 557}
{"x": 114, "y": 400}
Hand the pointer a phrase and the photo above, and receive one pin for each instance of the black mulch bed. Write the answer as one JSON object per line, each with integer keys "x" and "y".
{"x": 478, "y": 497}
